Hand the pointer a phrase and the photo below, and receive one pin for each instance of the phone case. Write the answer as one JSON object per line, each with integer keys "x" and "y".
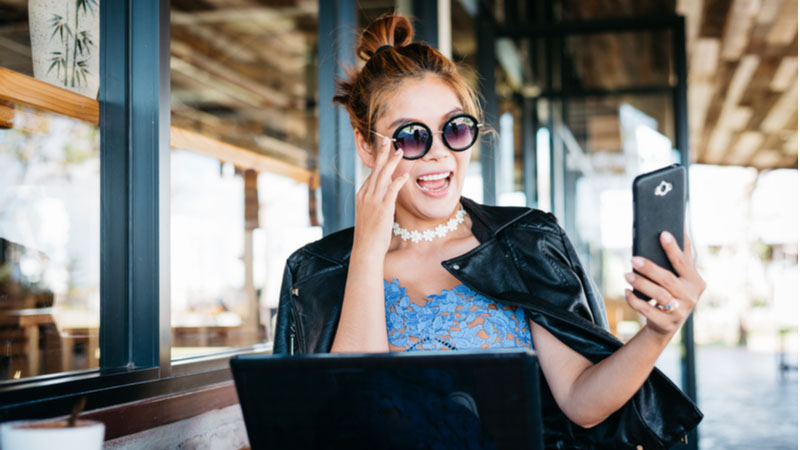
{"x": 659, "y": 204}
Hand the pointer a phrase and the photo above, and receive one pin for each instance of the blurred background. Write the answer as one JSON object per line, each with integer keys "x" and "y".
{"x": 585, "y": 95}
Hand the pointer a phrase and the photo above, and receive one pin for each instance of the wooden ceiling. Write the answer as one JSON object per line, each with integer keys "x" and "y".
{"x": 742, "y": 81}
{"x": 742, "y": 64}
{"x": 244, "y": 71}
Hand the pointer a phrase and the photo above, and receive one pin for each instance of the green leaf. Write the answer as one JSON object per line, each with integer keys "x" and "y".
{"x": 57, "y": 24}
{"x": 57, "y": 61}
{"x": 53, "y": 65}
{"x": 85, "y": 5}
{"x": 84, "y": 43}
{"x": 82, "y": 71}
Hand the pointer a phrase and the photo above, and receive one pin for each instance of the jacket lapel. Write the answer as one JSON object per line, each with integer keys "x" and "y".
{"x": 492, "y": 254}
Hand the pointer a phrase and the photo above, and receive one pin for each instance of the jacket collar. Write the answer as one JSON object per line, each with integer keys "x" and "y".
{"x": 487, "y": 222}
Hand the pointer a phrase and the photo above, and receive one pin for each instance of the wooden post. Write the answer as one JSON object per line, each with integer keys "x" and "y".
{"x": 251, "y": 318}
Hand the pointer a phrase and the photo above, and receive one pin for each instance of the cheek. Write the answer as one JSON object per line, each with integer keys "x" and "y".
{"x": 462, "y": 160}
{"x": 403, "y": 166}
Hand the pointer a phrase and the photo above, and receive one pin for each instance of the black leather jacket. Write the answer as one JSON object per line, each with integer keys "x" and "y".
{"x": 524, "y": 258}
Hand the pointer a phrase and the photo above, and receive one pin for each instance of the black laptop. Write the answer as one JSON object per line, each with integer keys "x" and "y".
{"x": 441, "y": 400}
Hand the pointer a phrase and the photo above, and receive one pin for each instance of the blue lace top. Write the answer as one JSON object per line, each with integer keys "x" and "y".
{"x": 456, "y": 319}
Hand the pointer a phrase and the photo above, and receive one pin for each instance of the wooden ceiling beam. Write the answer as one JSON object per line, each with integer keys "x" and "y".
{"x": 782, "y": 110}
{"x": 744, "y": 148}
{"x": 766, "y": 159}
{"x": 728, "y": 120}
{"x": 702, "y": 87}
{"x": 269, "y": 72}
{"x": 223, "y": 72}
{"x": 768, "y": 11}
{"x": 692, "y": 10}
{"x": 784, "y": 74}
{"x": 261, "y": 14}
{"x": 208, "y": 37}
{"x": 790, "y": 145}
{"x": 784, "y": 30}
{"x": 737, "y": 29}
{"x": 238, "y": 133}
{"x": 209, "y": 81}
{"x": 705, "y": 57}
{"x": 288, "y": 122}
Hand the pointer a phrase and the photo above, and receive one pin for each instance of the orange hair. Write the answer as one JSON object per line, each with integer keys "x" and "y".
{"x": 364, "y": 92}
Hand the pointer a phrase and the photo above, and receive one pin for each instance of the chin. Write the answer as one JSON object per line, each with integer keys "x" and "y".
{"x": 436, "y": 208}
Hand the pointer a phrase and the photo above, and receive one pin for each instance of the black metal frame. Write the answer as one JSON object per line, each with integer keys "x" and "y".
{"x": 554, "y": 34}
{"x": 485, "y": 31}
{"x": 426, "y": 14}
{"x": 337, "y": 155}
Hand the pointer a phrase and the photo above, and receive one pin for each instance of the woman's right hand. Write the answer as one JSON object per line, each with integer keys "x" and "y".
{"x": 375, "y": 202}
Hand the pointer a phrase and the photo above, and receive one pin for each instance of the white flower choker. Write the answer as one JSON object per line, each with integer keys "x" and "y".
{"x": 428, "y": 235}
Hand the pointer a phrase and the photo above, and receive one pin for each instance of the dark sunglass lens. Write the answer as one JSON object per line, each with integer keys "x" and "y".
{"x": 460, "y": 132}
{"x": 412, "y": 140}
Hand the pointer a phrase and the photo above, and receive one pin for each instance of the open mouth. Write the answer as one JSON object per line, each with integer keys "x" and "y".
{"x": 434, "y": 182}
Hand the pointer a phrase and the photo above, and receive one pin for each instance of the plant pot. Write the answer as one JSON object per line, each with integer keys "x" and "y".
{"x": 50, "y": 434}
{"x": 65, "y": 43}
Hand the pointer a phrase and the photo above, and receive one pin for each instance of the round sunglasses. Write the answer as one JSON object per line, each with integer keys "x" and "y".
{"x": 415, "y": 138}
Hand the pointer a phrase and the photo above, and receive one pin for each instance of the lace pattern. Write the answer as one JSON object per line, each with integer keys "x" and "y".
{"x": 456, "y": 319}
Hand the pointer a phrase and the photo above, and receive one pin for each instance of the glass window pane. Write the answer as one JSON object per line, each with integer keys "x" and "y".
{"x": 56, "y": 42}
{"x": 244, "y": 175}
{"x": 49, "y": 243}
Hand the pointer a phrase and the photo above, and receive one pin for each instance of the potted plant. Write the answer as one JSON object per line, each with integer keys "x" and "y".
{"x": 64, "y": 43}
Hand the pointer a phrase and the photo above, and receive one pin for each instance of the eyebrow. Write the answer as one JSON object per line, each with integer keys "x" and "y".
{"x": 406, "y": 120}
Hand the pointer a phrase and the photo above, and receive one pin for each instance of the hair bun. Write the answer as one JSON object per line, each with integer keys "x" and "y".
{"x": 390, "y": 29}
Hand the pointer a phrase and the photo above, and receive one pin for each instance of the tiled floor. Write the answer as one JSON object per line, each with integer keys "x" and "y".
{"x": 747, "y": 402}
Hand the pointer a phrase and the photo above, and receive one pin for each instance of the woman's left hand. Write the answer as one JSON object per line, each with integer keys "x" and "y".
{"x": 675, "y": 296}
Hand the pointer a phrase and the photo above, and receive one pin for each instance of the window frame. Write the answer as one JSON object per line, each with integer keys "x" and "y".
{"x": 135, "y": 328}
{"x": 135, "y": 134}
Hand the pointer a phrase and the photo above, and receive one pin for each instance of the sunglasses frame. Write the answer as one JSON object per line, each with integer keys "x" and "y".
{"x": 429, "y": 142}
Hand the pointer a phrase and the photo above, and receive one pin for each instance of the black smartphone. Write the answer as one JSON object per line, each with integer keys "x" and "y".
{"x": 659, "y": 204}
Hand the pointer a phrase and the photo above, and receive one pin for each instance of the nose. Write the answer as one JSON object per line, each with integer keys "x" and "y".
{"x": 438, "y": 150}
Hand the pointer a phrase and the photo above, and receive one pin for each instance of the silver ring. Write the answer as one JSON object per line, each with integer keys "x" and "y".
{"x": 671, "y": 306}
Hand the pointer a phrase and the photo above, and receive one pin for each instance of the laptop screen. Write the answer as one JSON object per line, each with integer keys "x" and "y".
{"x": 480, "y": 400}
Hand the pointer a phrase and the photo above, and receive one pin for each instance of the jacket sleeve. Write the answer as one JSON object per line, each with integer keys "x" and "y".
{"x": 592, "y": 293}
{"x": 282, "y": 344}
{"x": 658, "y": 416}
{"x": 551, "y": 270}
{"x": 569, "y": 305}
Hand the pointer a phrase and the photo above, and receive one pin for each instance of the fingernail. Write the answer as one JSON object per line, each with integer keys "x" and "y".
{"x": 637, "y": 261}
{"x": 666, "y": 237}
{"x": 630, "y": 277}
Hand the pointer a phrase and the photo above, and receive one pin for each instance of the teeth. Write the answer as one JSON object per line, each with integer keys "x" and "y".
{"x": 435, "y": 177}
{"x": 446, "y": 184}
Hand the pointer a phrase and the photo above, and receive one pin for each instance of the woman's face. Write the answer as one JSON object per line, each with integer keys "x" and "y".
{"x": 435, "y": 181}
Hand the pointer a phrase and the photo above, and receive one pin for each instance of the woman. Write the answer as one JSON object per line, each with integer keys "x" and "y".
{"x": 506, "y": 277}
